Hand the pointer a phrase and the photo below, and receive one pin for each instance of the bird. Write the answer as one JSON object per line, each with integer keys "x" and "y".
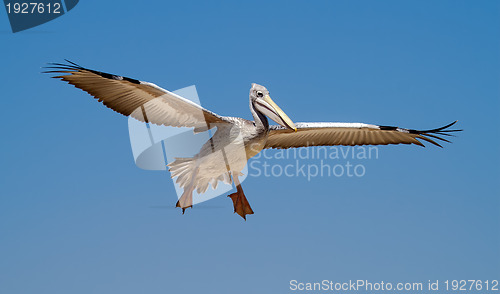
{"x": 236, "y": 140}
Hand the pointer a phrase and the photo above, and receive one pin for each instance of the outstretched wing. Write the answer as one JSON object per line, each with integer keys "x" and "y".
{"x": 351, "y": 134}
{"x": 142, "y": 100}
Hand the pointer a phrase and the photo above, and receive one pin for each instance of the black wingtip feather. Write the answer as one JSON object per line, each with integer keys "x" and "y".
{"x": 72, "y": 62}
{"x": 437, "y": 137}
{"x": 442, "y": 129}
{"x": 426, "y": 135}
{"x": 436, "y": 133}
{"x": 71, "y": 66}
{"x": 429, "y": 140}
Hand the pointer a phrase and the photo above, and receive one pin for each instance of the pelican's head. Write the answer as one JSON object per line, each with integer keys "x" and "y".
{"x": 259, "y": 97}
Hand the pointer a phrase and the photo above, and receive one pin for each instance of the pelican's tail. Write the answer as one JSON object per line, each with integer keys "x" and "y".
{"x": 186, "y": 170}
{"x": 183, "y": 170}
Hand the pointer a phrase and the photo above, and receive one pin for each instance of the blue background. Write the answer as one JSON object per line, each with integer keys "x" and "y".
{"x": 77, "y": 216}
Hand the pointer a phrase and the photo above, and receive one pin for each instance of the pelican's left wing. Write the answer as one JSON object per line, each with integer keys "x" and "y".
{"x": 350, "y": 134}
{"x": 142, "y": 100}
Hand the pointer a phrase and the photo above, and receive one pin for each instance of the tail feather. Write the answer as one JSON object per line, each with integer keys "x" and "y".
{"x": 183, "y": 169}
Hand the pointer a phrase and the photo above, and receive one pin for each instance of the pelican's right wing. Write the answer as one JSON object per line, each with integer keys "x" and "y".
{"x": 350, "y": 134}
{"x": 142, "y": 100}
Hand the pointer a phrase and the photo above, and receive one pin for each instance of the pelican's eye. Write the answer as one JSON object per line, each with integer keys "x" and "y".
{"x": 259, "y": 94}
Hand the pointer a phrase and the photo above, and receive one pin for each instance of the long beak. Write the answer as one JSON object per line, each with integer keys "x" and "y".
{"x": 274, "y": 112}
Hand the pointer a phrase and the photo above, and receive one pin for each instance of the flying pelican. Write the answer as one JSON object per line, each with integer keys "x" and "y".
{"x": 236, "y": 140}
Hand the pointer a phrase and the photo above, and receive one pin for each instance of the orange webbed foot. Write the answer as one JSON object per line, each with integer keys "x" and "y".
{"x": 240, "y": 203}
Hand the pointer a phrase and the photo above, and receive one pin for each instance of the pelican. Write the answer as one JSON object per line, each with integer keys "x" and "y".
{"x": 225, "y": 154}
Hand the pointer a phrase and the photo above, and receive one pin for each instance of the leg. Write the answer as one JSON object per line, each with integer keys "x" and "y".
{"x": 240, "y": 202}
{"x": 186, "y": 199}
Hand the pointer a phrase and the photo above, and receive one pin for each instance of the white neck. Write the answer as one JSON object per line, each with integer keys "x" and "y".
{"x": 260, "y": 119}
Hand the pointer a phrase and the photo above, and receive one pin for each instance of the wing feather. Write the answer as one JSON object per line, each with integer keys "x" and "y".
{"x": 142, "y": 100}
{"x": 351, "y": 134}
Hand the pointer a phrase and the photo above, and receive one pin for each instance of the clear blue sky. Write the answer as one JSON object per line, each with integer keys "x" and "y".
{"x": 77, "y": 216}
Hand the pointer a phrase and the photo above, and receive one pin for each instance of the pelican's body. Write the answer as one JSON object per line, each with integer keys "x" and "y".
{"x": 228, "y": 150}
{"x": 225, "y": 154}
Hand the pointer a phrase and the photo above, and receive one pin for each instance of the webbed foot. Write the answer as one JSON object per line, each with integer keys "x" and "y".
{"x": 240, "y": 202}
